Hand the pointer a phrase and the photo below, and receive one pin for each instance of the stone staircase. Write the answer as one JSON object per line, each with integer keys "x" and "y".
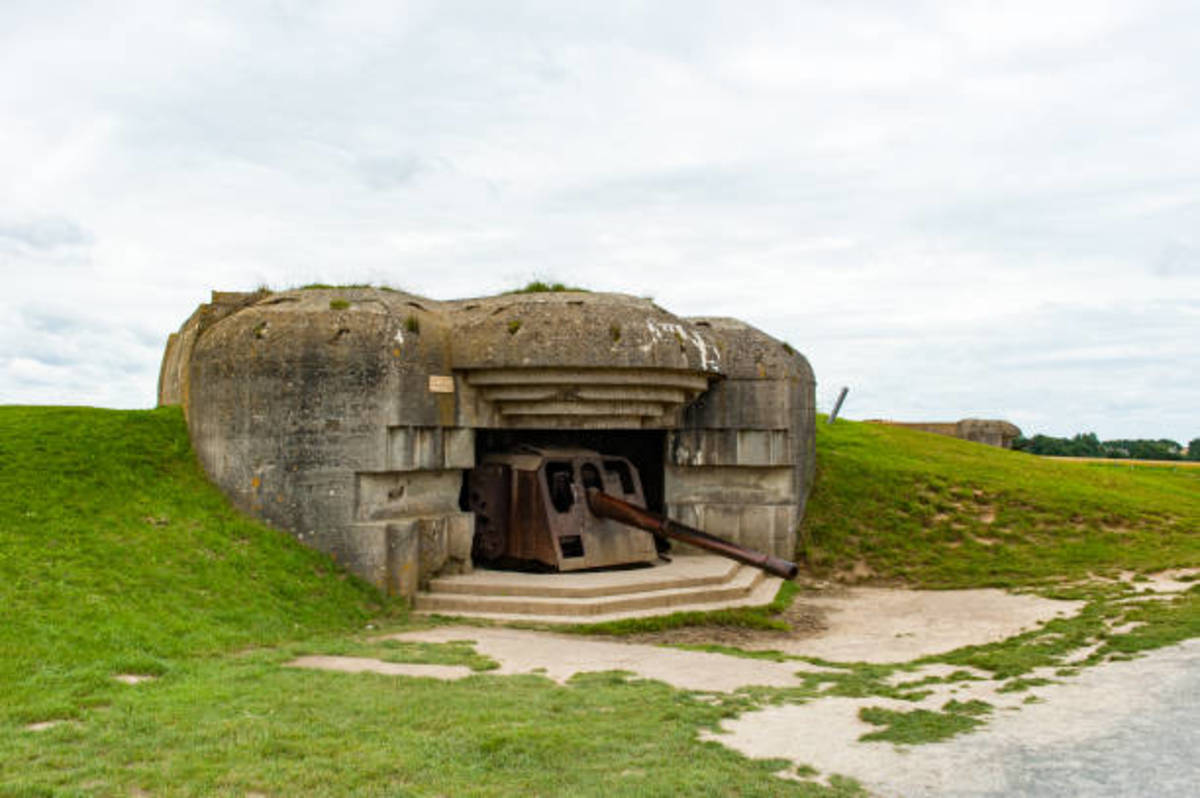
{"x": 687, "y": 583}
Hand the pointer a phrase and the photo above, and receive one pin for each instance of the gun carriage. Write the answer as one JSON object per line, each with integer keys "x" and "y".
{"x": 572, "y": 509}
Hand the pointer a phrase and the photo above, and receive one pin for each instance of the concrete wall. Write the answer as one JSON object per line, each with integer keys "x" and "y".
{"x": 741, "y": 464}
{"x": 347, "y": 417}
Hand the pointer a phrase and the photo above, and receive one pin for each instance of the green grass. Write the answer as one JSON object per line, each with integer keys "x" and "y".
{"x": 542, "y": 287}
{"x": 235, "y": 725}
{"x": 935, "y": 511}
{"x": 923, "y": 725}
{"x": 338, "y": 287}
{"x": 1020, "y": 685}
{"x": 117, "y": 556}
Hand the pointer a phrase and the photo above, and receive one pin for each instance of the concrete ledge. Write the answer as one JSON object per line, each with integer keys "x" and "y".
{"x": 681, "y": 572}
{"x": 688, "y": 583}
{"x": 762, "y": 594}
{"x": 738, "y": 587}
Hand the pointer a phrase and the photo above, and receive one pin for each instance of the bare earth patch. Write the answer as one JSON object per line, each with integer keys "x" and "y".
{"x": 1175, "y": 580}
{"x": 862, "y": 624}
{"x": 559, "y": 657}
{"x": 133, "y": 678}
{"x": 370, "y": 665}
{"x": 889, "y": 625}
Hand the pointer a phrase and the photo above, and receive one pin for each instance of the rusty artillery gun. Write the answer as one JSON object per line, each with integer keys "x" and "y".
{"x": 572, "y": 509}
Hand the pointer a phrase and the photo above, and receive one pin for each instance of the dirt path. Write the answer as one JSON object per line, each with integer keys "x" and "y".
{"x": 560, "y": 657}
{"x": 1055, "y": 734}
{"x": 885, "y": 624}
{"x": 854, "y": 625}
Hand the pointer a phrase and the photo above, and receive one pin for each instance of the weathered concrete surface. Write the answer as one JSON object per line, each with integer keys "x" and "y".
{"x": 680, "y": 572}
{"x": 134, "y": 678}
{"x": 348, "y": 416}
{"x": 527, "y": 600}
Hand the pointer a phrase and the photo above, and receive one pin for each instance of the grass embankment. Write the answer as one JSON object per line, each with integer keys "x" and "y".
{"x": 118, "y": 557}
{"x": 939, "y": 512}
{"x": 926, "y": 510}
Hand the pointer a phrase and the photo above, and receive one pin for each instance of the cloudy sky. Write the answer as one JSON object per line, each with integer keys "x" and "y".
{"x": 956, "y": 209}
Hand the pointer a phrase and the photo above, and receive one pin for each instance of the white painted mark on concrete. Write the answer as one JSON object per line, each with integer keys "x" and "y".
{"x": 710, "y": 357}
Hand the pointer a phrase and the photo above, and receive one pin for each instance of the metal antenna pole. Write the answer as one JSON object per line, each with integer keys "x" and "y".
{"x": 838, "y": 405}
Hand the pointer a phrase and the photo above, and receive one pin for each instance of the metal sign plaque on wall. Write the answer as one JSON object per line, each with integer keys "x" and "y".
{"x": 441, "y": 384}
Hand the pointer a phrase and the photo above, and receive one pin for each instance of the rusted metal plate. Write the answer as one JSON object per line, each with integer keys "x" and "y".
{"x": 529, "y": 535}
{"x": 488, "y": 497}
{"x": 548, "y": 519}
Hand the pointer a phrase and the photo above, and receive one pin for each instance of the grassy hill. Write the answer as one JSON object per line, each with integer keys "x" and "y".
{"x": 117, "y": 555}
{"x": 940, "y": 512}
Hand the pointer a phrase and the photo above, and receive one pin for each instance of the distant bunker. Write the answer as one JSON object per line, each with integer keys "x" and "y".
{"x": 988, "y": 431}
{"x": 353, "y": 418}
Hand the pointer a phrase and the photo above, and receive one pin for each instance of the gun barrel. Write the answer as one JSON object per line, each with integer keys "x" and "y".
{"x": 604, "y": 505}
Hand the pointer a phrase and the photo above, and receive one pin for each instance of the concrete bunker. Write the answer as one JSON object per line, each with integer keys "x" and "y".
{"x": 353, "y": 417}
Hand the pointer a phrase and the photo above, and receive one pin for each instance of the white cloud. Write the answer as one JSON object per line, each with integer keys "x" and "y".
{"x": 956, "y": 208}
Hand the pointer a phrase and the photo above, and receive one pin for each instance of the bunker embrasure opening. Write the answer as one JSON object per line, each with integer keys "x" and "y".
{"x": 529, "y": 490}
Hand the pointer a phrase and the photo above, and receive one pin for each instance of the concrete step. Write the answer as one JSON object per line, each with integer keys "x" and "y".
{"x": 681, "y": 572}
{"x": 636, "y": 599}
{"x": 762, "y": 594}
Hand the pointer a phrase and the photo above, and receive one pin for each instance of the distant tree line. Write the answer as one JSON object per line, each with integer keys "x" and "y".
{"x": 1088, "y": 445}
